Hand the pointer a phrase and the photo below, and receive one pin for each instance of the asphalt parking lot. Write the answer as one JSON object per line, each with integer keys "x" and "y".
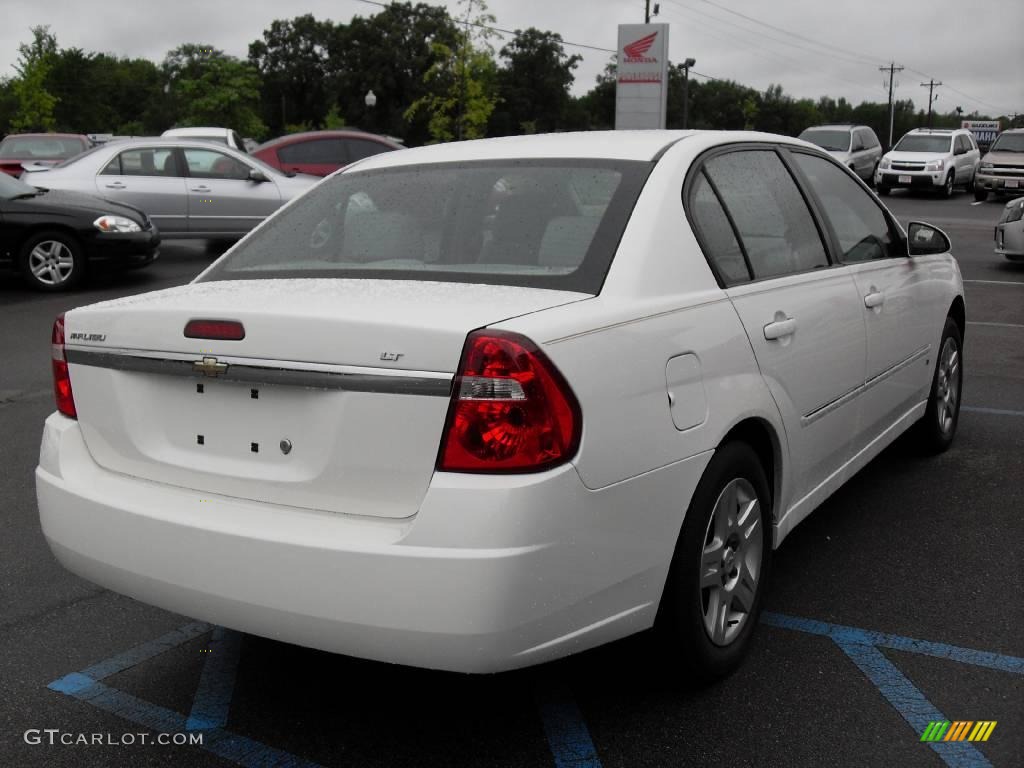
{"x": 899, "y": 602}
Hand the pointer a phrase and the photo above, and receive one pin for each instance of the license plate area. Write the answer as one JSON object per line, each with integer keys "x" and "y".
{"x": 905, "y": 179}
{"x": 1012, "y": 183}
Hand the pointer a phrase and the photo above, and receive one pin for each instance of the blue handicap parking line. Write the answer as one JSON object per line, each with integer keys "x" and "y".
{"x": 217, "y": 684}
{"x": 210, "y": 706}
{"x": 565, "y": 729}
{"x": 862, "y": 647}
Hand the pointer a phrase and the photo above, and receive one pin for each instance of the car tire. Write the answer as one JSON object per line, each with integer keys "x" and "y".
{"x": 947, "y": 188}
{"x": 937, "y": 428}
{"x": 52, "y": 261}
{"x": 883, "y": 190}
{"x": 712, "y": 599}
{"x": 980, "y": 194}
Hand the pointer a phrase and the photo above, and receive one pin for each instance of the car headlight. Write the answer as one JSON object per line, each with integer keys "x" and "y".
{"x": 985, "y": 167}
{"x": 885, "y": 163}
{"x": 1015, "y": 213}
{"x": 934, "y": 165}
{"x": 110, "y": 223}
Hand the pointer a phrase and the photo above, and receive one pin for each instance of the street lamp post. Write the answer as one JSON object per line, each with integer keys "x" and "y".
{"x": 686, "y": 89}
{"x": 371, "y": 101}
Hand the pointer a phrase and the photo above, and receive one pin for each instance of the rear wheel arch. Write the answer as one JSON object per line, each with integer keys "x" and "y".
{"x": 765, "y": 442}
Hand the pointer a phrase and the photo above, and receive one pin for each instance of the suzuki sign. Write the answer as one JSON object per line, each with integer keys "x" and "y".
{"x": 641, "y": 91}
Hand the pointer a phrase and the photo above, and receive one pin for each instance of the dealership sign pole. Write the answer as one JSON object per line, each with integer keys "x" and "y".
{"x": 641, "y": 91}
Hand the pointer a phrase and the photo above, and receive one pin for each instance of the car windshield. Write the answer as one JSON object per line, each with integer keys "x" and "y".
{"x": 538, "y": 223}
{"x": 41, "y": 147}
{"x": 924, "y": 143}
{"x": 837, "y": 141}
{"x": 11, "y": 187}
{"x": 1008, "y": 142}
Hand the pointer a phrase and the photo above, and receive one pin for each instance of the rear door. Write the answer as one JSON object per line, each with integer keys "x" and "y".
{"x": 148, "y": 178}
{"x": 800, "y": 312}
{"x": 221, "y": 197}
{"x": 893, "y": 290}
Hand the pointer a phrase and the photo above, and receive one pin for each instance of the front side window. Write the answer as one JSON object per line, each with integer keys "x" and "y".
{"x": 360, "y": 148}
{"x": 539, "y": 223}
{"x": 772, "y": 219}
{"x": 211, "y": 164}
{"x": 860, "y": 226}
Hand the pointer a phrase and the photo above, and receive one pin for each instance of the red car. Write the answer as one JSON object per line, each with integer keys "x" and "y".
{"x": 321, "y": 152}
{"x": 42, "y": 148}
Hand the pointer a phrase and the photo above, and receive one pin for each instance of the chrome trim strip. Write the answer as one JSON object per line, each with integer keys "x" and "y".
{"x": 330, "y": 378}
{"x": 842, "y": 400}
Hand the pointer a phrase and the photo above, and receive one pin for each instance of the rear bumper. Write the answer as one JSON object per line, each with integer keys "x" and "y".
{"x": 491, "y": 574}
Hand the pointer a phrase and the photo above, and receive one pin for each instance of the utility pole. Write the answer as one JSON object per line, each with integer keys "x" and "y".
{"x": 686, "y": 88}
{"x": 647, "y": 12}
{"x": 893, "y": 69}
{"x": 931, "y": 87}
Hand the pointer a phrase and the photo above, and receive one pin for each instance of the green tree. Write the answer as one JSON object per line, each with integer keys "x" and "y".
{"x": 208, "y": 87}
{"x": 533, "y": 85}
{"x": 461, "y": 82}
{"x": 35, "y": 103}
{"x": 292, "y": 59}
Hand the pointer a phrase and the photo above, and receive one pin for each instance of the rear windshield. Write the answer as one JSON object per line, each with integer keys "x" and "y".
{"x": 538, "y": 223}
{"x": 42, "y": 147}
{"x": 923, "y": 143}
{"x": 827, "y": 139}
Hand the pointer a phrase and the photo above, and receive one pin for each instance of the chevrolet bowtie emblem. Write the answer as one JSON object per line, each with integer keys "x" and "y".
{"x": 209, "y": 366}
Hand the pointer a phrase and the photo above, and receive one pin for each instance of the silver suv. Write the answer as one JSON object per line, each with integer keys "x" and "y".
{"x": 855, "y": 146}
{"x": 927, "y": 158}
{"x": 1002, "y": 168}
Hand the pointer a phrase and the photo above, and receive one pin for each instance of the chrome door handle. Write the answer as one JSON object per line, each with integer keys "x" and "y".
{"x": 116, "y": 185}
{"x": 874, "y": 299}
{"x": 200, "y": 189}
{"x": 780, "y": 329}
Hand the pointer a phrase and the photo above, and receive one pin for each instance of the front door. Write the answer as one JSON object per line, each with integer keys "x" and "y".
{"x": 222, "y": 200}
{"x": 890, "y": 289}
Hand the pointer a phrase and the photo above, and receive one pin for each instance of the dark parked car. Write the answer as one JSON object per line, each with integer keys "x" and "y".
{"x": 39, "y": 149}
{"x": 321, "y": 153}
{"x": 52, "y": 236}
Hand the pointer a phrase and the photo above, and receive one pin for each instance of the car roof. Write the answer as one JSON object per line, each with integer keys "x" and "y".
{"x": 645, "y": 145}
{"x": 338, "y": 133}
{"x": 938, "y": 131}
{"x": 834, "y": 126}
{"x": 196, "y": 131}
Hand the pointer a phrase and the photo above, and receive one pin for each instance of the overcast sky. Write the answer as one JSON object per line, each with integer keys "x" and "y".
{"x": 977, "y": 54}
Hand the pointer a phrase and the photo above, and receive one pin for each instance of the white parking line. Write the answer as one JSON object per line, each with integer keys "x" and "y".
{"x": 980, "y": 202}
{"x": 995, "y": 282}
{"x": 996, "y": 325}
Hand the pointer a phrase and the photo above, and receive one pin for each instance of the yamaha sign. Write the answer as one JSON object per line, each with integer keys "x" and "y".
{"x": 642, "y": 76}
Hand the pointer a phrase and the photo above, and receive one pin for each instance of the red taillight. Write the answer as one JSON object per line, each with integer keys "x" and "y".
{"x": 221, "y": 330}
{"x": 511, "y": 410}
{"x": 61, "y": 377}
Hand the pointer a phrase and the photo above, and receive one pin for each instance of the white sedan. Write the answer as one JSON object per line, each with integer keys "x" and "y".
{"x": 478, "y": 406}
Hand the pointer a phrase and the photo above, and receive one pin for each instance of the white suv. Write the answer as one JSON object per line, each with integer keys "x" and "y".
{"x": 930, "y": 159}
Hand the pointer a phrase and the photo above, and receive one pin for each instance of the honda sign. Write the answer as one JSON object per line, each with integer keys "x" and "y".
{"x": 642, "y": 80}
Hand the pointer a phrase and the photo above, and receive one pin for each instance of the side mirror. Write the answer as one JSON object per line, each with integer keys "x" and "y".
{"x": 255, "y": 174}
{"x": 925, "y": 240}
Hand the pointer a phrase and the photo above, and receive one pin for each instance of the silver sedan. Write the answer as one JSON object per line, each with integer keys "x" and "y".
{"x": 189, "y": 188}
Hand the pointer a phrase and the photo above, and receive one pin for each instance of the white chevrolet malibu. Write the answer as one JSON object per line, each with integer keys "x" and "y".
{"x": 482, "y": 405}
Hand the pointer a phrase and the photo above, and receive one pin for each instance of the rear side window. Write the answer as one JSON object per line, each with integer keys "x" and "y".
{"x": 142, "y": 162}
{"x": 774, "y": 224}
{"x": 716, "y": 234}
{"x": 317, "y": 151}
{"x": 539, "y": 223}
{"x": 860, "y": 226}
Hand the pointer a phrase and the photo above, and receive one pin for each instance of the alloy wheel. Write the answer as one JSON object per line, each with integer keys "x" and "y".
{"x": 731, "y": 561}
{"x": 51, "y": 262}
{"x": 947, "y": 386}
